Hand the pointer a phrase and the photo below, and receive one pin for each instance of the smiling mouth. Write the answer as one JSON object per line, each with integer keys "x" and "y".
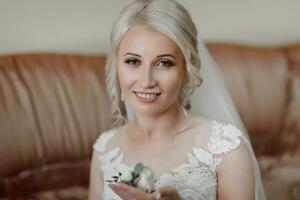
{"x": 147, "y": 95}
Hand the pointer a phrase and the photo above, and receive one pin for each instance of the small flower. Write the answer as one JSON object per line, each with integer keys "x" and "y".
{"x": 140, "y": 176}
{"x": 126, "y": 176}
{"x": 146, "y": 180}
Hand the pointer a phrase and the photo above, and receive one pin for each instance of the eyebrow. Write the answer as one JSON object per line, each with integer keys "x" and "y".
{"x": 163, "y": 55}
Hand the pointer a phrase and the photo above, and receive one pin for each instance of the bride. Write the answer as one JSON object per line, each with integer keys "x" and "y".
{"x": 192, "y": 139}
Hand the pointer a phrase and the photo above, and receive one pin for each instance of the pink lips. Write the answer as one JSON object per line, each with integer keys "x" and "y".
{"x": 147, "y": 100}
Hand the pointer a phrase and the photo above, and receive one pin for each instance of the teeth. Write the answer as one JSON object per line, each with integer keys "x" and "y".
{"x": 146, "y": 96}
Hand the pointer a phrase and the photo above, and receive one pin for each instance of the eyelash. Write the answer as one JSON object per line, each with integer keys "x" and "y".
{"x": 129, "y": 61}
{"x": 167, "y": 62}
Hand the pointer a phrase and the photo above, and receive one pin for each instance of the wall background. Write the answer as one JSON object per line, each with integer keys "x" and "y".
{"x": 82, "y": 26}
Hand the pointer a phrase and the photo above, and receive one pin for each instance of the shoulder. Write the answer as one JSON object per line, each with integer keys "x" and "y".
{"x": 101, "y": 143}
{"x": 230, "y": 145}
{"x": 225, "y": 137}
{"x": 221, "y": 140}
{"x": 217, "y": 136}
{"x": 235, "y": 169}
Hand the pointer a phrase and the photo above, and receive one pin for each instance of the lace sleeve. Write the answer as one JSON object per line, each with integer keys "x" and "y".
{"x": 109, "y": 154}
{"x": 225, "y": 138}
{"x": 103, "y": 139}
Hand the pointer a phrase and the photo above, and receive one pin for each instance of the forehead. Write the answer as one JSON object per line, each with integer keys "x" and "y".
{"x": 140, "y": 40}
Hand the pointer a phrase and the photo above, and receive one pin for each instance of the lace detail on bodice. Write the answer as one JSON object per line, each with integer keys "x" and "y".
{"x": 194, "y": 180}
{"x": 224, "y": 138}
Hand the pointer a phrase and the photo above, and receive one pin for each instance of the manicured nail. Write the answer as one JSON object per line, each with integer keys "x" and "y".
{"x": 157, "y": 196}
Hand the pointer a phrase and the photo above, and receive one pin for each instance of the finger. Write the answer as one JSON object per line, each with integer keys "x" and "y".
{"x": 119, "y": 186}
{"x": 155, "y": 196}
{"x": 120, "y": 191}
{"x": 128, "y": 192}
{"x": 137, "y": 193}
{"x": 125, "y": 196}
{"x": 125, "y": 188}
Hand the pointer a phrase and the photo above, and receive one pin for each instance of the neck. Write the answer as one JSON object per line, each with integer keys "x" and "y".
{"x": 159, "y": 127}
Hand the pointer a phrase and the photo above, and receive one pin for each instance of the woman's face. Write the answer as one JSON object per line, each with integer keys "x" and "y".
{"x": 151, "y": 70}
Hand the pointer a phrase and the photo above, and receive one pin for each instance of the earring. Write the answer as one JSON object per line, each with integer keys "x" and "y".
{"x": 184, "y": 111}
{"x": 122, "y": 96}
{"x": 186, "y": 103}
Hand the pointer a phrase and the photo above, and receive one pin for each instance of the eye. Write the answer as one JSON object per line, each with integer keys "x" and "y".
{"x": 132, "y": 61}
{"x": 165, "y": 63}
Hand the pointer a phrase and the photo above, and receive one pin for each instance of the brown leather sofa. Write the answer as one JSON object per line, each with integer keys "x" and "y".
{"x": 54, "y": 106}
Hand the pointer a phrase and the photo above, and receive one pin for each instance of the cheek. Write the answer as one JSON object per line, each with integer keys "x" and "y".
{"x": 126, "y": 78}
{"x": 170, "y": 82}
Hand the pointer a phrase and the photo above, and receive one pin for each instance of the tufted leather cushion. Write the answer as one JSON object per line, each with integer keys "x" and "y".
{"x": 52, "y": 108}
{"x": 257, "y": 80}
{"x": 291, "y": 129}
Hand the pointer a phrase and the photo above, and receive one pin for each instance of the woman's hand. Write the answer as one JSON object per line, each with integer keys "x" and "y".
{"x": 127, "y": 192}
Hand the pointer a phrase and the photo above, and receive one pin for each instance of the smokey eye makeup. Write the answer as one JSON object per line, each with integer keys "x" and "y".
{"x": 165, "y": 63}
{"x": 132, "y": 61}
{"x": 160, "y": 63}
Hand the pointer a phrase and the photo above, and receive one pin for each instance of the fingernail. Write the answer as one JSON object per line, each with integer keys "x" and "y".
{"x": 157, "y": 195}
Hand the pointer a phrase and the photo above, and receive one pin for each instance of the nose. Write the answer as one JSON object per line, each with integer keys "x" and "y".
{"x": 147, "y": 78}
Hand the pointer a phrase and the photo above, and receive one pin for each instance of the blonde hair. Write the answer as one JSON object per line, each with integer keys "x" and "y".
{"x": 167, "y": 17}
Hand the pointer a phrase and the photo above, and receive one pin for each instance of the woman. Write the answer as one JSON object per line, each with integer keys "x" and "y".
{"x": 154, "y": 67}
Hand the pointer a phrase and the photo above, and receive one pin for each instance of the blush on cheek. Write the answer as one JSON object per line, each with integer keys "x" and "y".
{"x": 170, "y": 79}
{"x": 174, "y": 92}
{"x": 171, "y": 87}
{"x": 126, "y": 79}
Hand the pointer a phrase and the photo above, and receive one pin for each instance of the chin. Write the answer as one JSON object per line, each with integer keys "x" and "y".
{"x": 147, "y": 110}
{"x": 150, "y": 110}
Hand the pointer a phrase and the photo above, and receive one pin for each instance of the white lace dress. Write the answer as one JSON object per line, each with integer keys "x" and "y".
{"x": 196, "y": 179}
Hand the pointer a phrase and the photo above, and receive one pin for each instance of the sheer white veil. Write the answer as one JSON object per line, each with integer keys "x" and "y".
{"x": 213, "y": 100}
